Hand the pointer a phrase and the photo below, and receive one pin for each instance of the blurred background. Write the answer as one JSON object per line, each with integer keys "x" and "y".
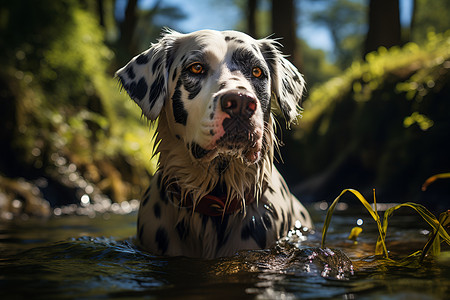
{"x": 376, "y": 113}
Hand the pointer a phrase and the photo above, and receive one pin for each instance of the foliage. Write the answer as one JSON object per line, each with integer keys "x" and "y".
{"x": 429, "y": 16}
{"x": 65, "y": 102}
{"x": 381, "y": 249}
{"x": 365, "y": 78}
{"x": 378, "y": 120}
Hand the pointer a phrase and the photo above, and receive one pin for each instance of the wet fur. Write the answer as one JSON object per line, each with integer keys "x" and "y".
{"x": 193, "y": 162}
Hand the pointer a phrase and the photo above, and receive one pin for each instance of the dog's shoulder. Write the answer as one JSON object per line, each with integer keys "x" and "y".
{"x": 154, "y": 222}
{"x": 286, "y": 210}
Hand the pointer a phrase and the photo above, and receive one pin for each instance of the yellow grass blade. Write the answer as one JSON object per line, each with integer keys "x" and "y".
{"x": 366, "y": 204}
{"x": 438, "y": 229}
{"x": 433, "y": 179}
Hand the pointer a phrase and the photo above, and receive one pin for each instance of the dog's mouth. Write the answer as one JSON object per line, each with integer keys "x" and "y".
{"x": 241, "y": 139}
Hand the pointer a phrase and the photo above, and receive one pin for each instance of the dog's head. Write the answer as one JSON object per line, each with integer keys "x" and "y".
{"x": 215, "y": 90}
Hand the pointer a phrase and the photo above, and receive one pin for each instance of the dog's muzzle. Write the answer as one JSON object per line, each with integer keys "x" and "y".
{"x": 238, "y": 104}
{"x": 243, "y": 132}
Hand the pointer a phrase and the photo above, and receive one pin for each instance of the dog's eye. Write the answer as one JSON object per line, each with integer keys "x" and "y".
{"x": 196, "y": 68}
{"x": 257, "y": 72}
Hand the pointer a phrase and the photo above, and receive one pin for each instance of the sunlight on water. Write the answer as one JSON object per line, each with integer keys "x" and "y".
{"x": 68, "y": 256}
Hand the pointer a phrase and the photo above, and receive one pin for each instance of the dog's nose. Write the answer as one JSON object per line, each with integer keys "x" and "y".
{"x": 238, "y": 104}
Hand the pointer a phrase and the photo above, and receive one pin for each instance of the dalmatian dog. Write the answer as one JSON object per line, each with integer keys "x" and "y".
{"x": 216, "y": 191}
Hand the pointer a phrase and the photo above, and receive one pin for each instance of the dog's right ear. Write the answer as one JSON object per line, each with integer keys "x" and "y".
{"x": 144, "y": 78}
{"x": 286, "y": 81}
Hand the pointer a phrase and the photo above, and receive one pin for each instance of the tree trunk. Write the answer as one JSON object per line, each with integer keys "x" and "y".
{"x": 101, "y": 13}
{"x": 412, "y": 25}
{"x": 251, "y": 17}
{"x": 384, "y": 25}
{"x": 284, "y": 26}
{"x": 128, "y": 26}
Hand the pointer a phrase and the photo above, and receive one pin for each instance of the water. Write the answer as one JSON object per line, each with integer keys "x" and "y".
{"x": 78, "y": 257}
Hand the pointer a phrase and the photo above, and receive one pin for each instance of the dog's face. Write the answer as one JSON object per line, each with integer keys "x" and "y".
{"x": 215, "y": 89}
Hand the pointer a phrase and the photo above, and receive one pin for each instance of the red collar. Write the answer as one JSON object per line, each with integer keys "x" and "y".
{"x": 214, "y": 206}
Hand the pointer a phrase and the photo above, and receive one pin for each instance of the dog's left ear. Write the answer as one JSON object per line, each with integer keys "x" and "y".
{"x": 145, "y": 76}
{"x": 286, "y": 81}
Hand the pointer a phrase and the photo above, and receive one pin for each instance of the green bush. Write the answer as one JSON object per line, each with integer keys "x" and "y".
{"x": 383, "y": 123}
{"x": 59, "y": 98}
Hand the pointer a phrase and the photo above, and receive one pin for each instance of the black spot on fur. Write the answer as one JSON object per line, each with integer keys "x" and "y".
{"x": 179, "y": 112}
{"x": 178, "y": 137}
{"x": 174, "y": 76}
{"x": 170, "y": 55}
{"x": 285, "y": 109}
{"x": 289, "y": 221}
{"x": 232, "y": 38}
{"x": 192, "y": 83}
{"x": 271, "y": 211}
{"x": 156, "y": 90}
{"x": 142, "y": 59}
{"x": 146, "y": 198}
{"x": 256, "y": 230}
{"x": 285, "y": 190}
{"x": 182, "y": 230}
{"x": 159, "y": 181}
{"x": 130, "y": 72}
{"x": 140, "y": 89}
{"x": 283, "y": 229}
{"x": 157, "y": 210}
{"x": 147, "y": 191}
{"x": 193, "y": 87}
{"x": 140, "y": 232}
{"x": 197, "y": 151}
{"x": 284, "y": 193}
{"x": 303, "y": 215}
{"x": 162, "y": 239}
{"x": 269, "y": 53}
{"x": 221, "y": 225}
{"x": 156, "y": 64}
{"x": 287, "y": 86}
{"x": 162, "y": 191}
{"x": 267, "y": 220}
{"x": 163, "y": 196}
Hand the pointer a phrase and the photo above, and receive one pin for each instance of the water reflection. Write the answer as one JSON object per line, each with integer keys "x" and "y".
{"x": 38, "y": 259}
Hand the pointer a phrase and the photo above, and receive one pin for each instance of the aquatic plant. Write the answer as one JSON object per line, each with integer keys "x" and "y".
{"x": 434, "y": 241}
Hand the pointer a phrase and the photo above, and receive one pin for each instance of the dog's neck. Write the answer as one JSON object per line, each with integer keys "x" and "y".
{"x": 195, "y": 179}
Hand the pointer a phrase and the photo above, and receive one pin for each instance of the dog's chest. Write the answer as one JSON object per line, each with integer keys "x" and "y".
{"x": 166, "y": 229}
